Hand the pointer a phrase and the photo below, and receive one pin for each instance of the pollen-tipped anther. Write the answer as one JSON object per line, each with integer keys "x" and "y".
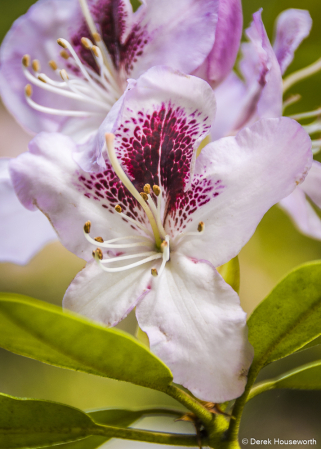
{"x": 97, "y": 37}
{"x": 154, "y": 272}
{"x": 144, "y": 196}
{"x": 164, "y": 245}
{"x": 156, "y": 190}
{"x": 41, "y": 78}
{"x": 147, "y": 189}
{"x": 64, "y": 54}
{"x": 26, "y": 60}
{"x": 95, "y": 50}
{"x": 64, "y": 75}
{"x": 61, "y": 43}
{"x": 53, "y": 65}
{"x": 99, "y": 239}
{"x": 201, "y": 226}
{"x": 28, "y": 90}
{"x": 87, "y": 227}
{"x": 98, "y": 254}
{"x": 118, "y": 209}
{"x": 36, "y": 65}
{"x": 86, "y": 43}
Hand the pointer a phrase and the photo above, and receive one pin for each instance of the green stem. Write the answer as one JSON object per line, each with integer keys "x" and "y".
{"x": 260, "y": 388}
{"x": 191, "y": 403}
{"x": 147, "y": 436}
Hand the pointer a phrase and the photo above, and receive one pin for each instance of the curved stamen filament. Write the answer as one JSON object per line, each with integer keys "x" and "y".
{"x": 128, "y": 267}
{"x": 200, "y": 231}
{"x": 313, "y": 127}
{"x": 127, "y": 183}
{"x": 304, "y": 115}
{"x": 111, "y": 244}
{"x": 130, "y": 256}
{"x": 60, "y": 112}
{"x": 301, "y": 75}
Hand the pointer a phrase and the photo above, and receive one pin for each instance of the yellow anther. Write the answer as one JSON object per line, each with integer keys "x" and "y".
{"x": 154, "y": 272}
{"x": 98, "y": 254}
{"x": 26, "y": 60}
{"x": 53, "y": 65}
{"x": 99, "y": 239}
{"x": 164, "y": 245}
{"x": 95, "y": 50}
{"x": 64, "y": 54}
{"x": 201, "y": 226}
{"x": 86, "y": 43}
{"x": 64, "y": 75}
{"x": 156, "y": 190}
{"x": 144, "y": 196}
{"x": 36, "y": 65}
{"x": 61, "y": 43}
{"x": 97, "y": 37}
{"x": 118, "y": 208}
{"x": 147, "y": 189}
{"x": 41, "y": 78}
{"x": 87, "y": 227}
{"x": 28, "y": 90}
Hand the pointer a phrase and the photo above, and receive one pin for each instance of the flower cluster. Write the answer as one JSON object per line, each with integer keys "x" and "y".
{"x": 155, "y": 163}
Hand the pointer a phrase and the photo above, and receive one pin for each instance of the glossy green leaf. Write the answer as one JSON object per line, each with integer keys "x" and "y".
{"x": 44, "y": 332}
{"x": 230, "y": 272}
{"x": 315, "y": 342}
{"x": 34, "y": 423}
{"x": 305, "y": 377}
{"x": 289, "y": 318}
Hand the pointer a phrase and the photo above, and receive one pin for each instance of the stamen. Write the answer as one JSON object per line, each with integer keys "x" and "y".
{"x": 111, "y": 243}
{"x": 130, "y": 256}
{"x": 291, "y": 100}
{"x": 99, "y": 239}
{"x": 97, "y": 37}
{"x": 36, "y": 65}
{"x": 154, "y": 272}
{"x": 133, "y": 265}
{"x": 201, "y": 226}
{"x": 62, "y": 43}
{"x": 87, "y": 227}
{"x": 64, "y": 54}
{"x": 127, "y": 183}
{"x": 28, "y": 90}
{"x": 156, "y": 190}
{"x": 144, "y": 196}
{"x": 157, "y": 211}
{"x": 118, "y": 208}
{"x": 165, "y": 254}
{"x": 86, "y": 43}
{"x": 301, "y": 75}
{"x": 60, "y": 112}
{"x": 200, "y": 231}
{"x": 98, "y": 254}
{"x": 53, "y": 65}
{"x": 147, "y": 189}
{"x": 316, "y": 146}
{"x": 304, "y": 115}
{"x": 26, "y": 61}
{"x": 313, "y": 127}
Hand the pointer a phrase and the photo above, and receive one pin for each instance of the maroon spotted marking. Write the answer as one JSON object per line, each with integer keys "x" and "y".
{"x": 158, "y": 147}
{"x": 106, "y": 189}
{"x": 202, "y": 191}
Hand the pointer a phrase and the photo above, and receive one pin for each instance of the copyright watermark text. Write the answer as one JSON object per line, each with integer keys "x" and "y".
{"x": 278, "y": 441}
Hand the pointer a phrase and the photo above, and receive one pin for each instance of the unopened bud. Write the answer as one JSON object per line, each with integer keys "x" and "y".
{"x": 118, "y": 208}
{"x": 64, "y": 54}
{"x": 36, "y": 65}
{"x": 86, "y": 43}
{"x": 144, "y": 196}
{"x": 154, "y": 272}
{"x": 87, "y": 227}
{"x": 156, "y": 190}
{"x": 28, "y": 90}
{"x": 26, "y": 60}
{"x": 99, "y": 254}
{"x": 201, "y": 226}
{"x": 99, "y": 239}
{"x": 61, "y": 43}
{"x": 53, "y": 65}
{"x": 147, "y": 188}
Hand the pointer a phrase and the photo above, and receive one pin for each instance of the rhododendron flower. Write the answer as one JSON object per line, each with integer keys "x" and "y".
{"x": 70, "y": 88}
{"x": 159, "y": 221}
{"x": 261, "y": 95}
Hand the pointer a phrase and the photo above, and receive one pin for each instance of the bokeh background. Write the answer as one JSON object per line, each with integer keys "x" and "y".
{"x": 275, "y": 249}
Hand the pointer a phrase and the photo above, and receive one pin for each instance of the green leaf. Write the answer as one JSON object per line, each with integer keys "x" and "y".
{"x": 230, "y": 272}
{"x": 44, "y": 332}
{"x": 289, "y": 318}
{"x": 315, "y": 342}
{"x": 34, "y": 423}
{"x": 305, "y": 377}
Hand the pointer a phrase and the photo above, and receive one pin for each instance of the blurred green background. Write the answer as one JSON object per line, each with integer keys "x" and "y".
{"x": 275, "y": 248}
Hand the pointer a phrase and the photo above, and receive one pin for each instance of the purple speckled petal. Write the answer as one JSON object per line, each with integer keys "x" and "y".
{"x": 292, "y": 26}
{"x": 228, "y": 35}
{"x": 237, "y": 179}
{"x": 23, "y": 233}
{"x": 48, "y": 178}
{"x": 164, "y": 117}
{"x": 36, "y": 33}
{"x": 262, "y": 74}
{"x": 195, "y": 324}
{"x": 177, "y": 33}
{"x": 107, "y": 297}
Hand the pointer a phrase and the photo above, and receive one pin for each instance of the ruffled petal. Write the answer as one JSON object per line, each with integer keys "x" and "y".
{"x": 196, "y": 326}
{"x": 228, "y": 35}
{"x": 301, "y": 212}
{"x": 107, "y": 297}
{"x": 23, "y": 233}
{"x": 292, "y": 26}
{"x": 312, "y": 183}
{"x": 237, "y": 179}
{"x": 177, "y": 33}
{"x": 36, "y": 34}
{"x": 163, "y": 118}
{"x": 47, "y": 178}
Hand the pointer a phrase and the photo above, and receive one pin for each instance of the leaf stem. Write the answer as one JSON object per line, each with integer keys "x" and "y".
{"x": 174, "y": 439}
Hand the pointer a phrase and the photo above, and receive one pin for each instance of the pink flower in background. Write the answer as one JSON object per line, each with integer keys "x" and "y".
{"x": 163, "y": 220}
